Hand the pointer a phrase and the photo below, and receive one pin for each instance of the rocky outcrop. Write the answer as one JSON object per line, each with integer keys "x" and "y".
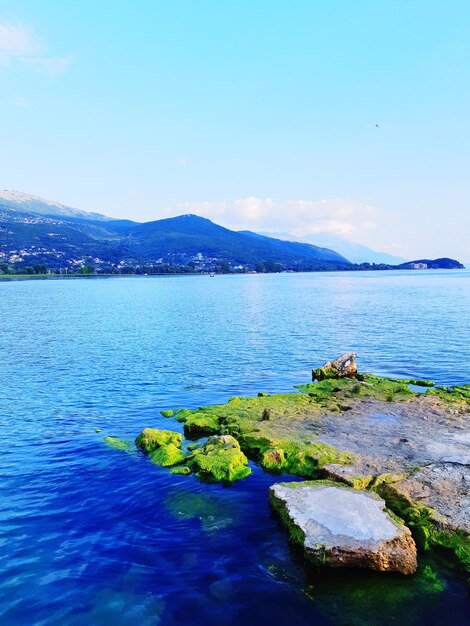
{"x": 410, "y": 446}
{"x": 339, "y": 526}
{"x": 343, "y": 367}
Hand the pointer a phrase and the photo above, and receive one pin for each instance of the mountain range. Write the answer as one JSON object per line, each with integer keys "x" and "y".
{"x": 34, "y": 230}
{"x": 354, "y": 252}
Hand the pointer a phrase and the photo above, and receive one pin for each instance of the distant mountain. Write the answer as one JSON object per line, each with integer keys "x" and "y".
{"x": 355, "y": 252}
{"x": 191, "y": 235}
{"x": 26, "y": 203}
{"x": 34, "y": 230}
{"x": 433, "y": 264}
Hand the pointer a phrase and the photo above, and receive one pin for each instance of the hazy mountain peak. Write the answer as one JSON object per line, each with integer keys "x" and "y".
{"x": 354, "y": 252}
{"x": 21, "y": 202}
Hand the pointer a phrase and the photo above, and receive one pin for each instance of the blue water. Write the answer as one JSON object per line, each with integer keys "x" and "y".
{"x": 92, "y": 535}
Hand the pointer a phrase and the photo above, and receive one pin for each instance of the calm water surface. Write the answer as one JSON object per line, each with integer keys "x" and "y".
{"x": 91, "y": 535}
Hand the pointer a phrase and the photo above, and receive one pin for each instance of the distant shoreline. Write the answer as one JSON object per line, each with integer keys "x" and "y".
{"x": 22, "y": 277}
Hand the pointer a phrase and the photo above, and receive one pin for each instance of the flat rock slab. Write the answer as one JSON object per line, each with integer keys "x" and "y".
{"x": 339, "y": 526}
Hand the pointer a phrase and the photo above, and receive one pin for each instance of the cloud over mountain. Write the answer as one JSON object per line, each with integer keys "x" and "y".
{"x": 300, "y": 217}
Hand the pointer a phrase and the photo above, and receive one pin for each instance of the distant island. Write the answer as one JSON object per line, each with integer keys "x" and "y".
{"x": 39, "y": 237}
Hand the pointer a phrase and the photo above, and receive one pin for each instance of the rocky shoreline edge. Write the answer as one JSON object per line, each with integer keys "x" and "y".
{"x": 387, "y": 463}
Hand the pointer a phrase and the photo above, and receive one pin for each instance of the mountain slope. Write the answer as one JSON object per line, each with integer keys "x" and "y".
{"x": 190, "y": 234}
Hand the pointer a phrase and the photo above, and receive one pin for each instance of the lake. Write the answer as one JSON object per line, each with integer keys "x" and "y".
{"x": 93, "y": 535}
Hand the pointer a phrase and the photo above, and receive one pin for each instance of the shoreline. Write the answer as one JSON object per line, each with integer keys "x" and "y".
{"x": 406, "y": 272}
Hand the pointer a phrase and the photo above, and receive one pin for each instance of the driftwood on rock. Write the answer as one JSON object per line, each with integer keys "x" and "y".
{"x": 344, "y": 366}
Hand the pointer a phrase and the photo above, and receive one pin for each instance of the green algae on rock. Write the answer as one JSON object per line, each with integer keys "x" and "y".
{"x": 274, "y": 442}
{"x": 168, "y": 455}
{"x": 428, "y": 527}
{"x": 152, "y": 438}
{"x": 219, "y": 460}
{"x": 167, "y": 413}
{"x": 364, "y": 386}
{"x": 363, "y": 597}
{"x": 202, "y": 422}
{"x": 184, "y": 470}
{"x": 458, "y": 396}
{"x": 118, "y": 444}
{"x": 183, "y": 414}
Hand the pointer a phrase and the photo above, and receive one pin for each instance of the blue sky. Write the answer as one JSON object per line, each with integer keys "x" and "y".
{"x": 349, "y": 117}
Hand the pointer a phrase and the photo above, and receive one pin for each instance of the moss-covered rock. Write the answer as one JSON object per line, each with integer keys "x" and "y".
{"x": 220, "y": 460}
{"x": 168, "y": 455}
{"x": 152, "y": 438}
{"x": 167, "y": 413}
{"x": 273, "y": 459}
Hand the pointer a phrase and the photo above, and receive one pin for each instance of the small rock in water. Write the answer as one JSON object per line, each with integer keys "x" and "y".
{"x": 340, "y": 526}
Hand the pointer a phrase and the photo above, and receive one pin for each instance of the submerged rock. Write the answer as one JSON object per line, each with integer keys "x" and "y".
{"x": 220, "y": 460}
{"x": 214, "y": 513}
{"x": 151, "y": 439}
{"x": 118, "y": 444}
{"x": 343, "y": 367}
{"x": 339, "y": 526}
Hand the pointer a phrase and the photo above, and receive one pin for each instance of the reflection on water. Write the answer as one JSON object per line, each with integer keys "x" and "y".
{"x": 91, "y": 534}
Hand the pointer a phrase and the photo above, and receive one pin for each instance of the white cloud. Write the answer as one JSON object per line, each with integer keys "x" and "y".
{"x": 18, "y": 42}
{"x": 254, "y": 210}
{"x": 346, "y": 218}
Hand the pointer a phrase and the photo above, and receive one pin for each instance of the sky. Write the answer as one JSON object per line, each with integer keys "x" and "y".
{"x": 338, "y": 116}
